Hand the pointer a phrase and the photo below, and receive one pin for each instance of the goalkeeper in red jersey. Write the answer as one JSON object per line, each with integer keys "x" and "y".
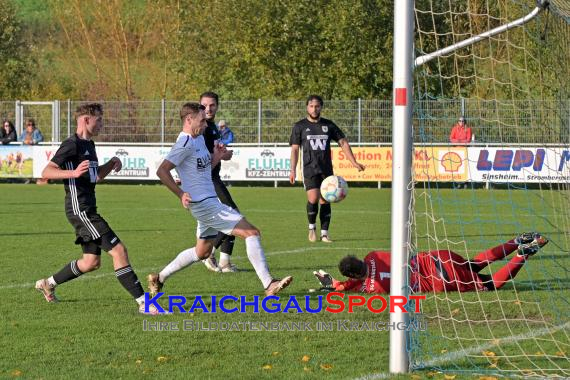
{"x": 436, "y": 271}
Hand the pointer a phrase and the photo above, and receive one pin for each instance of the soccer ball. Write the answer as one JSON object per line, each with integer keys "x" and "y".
{"x": 334, "y": 189}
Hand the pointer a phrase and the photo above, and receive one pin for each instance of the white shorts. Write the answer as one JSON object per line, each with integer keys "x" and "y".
{"x": 213, "y": 216}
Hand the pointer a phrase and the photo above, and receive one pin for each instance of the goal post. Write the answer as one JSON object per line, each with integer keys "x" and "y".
{"x": 540, "y": 6}
{"x": 511, "y": 76}
{"x": 402, "y": 147}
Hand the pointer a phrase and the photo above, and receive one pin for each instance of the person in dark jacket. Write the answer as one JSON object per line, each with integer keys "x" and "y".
{"x": 8, "y": 133}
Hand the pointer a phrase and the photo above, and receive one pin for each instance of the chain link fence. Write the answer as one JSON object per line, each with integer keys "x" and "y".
{"x": 363, "y": 121}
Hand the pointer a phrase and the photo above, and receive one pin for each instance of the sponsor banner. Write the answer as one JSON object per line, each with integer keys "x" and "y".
{"x": 378, "y": 162}
{"x": 439, "y": 164}
{"x": 16, "y": 161}
{"x": 550, "y": 165}
{"x": 139, "y": 163}
{"x": 42, "y": 155}
{"x": 257, "y": 164}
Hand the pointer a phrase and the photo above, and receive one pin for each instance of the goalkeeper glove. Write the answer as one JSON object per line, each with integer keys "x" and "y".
{"x": 324, "y": 278}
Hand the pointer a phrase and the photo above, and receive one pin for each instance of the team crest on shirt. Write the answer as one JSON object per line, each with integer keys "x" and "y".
{"x": 203, "y": 163}
{"x": 325, "y": 129}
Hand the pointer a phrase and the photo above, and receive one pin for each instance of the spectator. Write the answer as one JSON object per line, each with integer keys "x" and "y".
{"x": 32, "y": 135}
{"x": 226, "y": 135}
{"x": 8, "y": 133}
{"x": 460, "y": 133}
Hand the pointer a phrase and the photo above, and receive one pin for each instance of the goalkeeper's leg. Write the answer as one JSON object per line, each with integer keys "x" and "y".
{"x": 527, "y": 243}
{"x": 509, "y": 271}
{"x": 493, "y": 254}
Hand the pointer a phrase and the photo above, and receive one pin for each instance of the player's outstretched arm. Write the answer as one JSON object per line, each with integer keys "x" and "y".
{"x": 53, "y": 171}
{"x": 104, "y": 170}
{"x": 348, "y": 152}
{"x": 324, "y": 278}
{"x": 163, "y": 173}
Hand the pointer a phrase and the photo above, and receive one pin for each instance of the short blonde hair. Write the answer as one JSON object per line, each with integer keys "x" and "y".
{"x": 191, "y": 109}
{"x": 91, "y": 109}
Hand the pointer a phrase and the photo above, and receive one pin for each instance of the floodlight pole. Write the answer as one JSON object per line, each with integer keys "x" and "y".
{"x": 402, "y": 147}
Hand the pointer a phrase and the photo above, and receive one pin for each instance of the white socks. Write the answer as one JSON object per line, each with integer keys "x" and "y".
{"x": 52, "y": 282}
{"x": 184, "y": 259}
{"x": 224, "y": 259}
{"x": 256, "y": 257}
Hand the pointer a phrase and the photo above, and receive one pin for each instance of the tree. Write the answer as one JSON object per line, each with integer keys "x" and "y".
{"x": 111, "y": 46}
{"x": 289, "y": 49}
{"x": 15, "y": 68}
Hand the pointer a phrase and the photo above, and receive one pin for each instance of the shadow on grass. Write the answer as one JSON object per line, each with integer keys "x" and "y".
{"x": 70, "y": 231}
{"x": 549, "y": 284}
{"x": 26, "y": 203}
{"x": 501, "y": 236}
{"x": 35, "y": 233}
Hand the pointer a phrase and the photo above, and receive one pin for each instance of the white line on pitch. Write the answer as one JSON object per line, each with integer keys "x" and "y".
{"x": 300, "y": 211}
{"x": 455, "y": 355}
{"x": 144, "y": 270}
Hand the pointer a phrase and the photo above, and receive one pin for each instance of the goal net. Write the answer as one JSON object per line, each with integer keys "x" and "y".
{"x": 513, "y": 176}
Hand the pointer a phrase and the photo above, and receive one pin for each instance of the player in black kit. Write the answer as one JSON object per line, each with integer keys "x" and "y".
{"x": 76, "y": 163}
{"x": 314, "y": 133}
{"x": 225, "y": 243}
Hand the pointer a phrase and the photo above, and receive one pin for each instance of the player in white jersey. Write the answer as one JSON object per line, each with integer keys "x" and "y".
{"x": 193, "y": 163}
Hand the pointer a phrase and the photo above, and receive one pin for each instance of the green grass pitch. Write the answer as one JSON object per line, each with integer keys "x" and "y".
{"x": 95, "y": 331}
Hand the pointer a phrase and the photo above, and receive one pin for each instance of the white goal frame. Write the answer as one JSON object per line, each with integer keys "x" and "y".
{"x": 402, "y": 149}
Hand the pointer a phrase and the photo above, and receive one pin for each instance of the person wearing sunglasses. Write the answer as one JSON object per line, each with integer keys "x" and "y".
{"x": 31, "y": 135}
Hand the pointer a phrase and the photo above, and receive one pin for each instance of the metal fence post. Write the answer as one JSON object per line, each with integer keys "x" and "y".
{"x": 55, "y": 122}
{"x": 462, "y": 107}
{"x": 162, "y": 121}
{"x": 259, "y": 121}
{"x": 565, "y": 105}
{"x": 359, "y": 120}
{"x": 18, "y": 120}
{"x": 68, "y": 117}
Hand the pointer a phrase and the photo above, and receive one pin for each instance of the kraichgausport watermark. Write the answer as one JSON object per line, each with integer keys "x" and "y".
{"x": 333, "y": 302}
{"x": 338, "y": 325}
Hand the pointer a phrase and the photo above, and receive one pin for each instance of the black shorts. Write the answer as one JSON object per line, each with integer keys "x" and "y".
{"x": 223, "y": 193}
{"x": 314, "y": 182}
{"x": 93, "y": 233}
{"x": 106, "y": 243}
